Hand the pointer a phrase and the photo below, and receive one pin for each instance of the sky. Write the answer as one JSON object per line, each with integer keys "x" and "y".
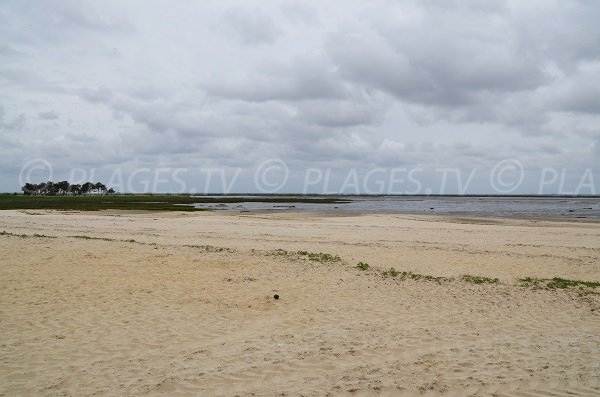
{"x": 343, "y": 96}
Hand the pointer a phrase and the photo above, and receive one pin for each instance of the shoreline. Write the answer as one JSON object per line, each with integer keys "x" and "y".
{"x": 443, "y": 215}
{"x": 324, "y": 214}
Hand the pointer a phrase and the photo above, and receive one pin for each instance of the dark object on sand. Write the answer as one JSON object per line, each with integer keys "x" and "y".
{"x": 275, "y": 296}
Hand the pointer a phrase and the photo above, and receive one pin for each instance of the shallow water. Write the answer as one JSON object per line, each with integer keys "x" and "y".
{"x": 518, "y": 207}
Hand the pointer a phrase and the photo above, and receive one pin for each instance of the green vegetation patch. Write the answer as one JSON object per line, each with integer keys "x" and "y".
{"x": 424, "y": 277}
{"x": 390, "y": 273}
{"x": 278, "y": 252}
{"x": 92, "y": 238}
{"x": 479, "y": 279}
{"x": 362, "y": 266}
{"x": 110, "y": 239}
{"x": 312, "y": 256}
{"x": 9, "y": 234}
{"x": 319, "y": 256}
{"x": 556, "y": 282}
{"x": 209, "y": 248}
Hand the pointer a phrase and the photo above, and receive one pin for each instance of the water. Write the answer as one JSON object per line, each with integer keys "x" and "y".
{"x": 517, "y": 207}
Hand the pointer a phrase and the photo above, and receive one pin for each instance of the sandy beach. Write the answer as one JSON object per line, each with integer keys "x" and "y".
{"x": 125, "y": 303}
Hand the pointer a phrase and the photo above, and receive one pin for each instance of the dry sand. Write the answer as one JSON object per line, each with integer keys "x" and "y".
{"x": 158, "y": 317}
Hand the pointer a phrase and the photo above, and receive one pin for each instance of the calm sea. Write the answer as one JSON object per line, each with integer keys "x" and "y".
{"x": 517, "y": 207}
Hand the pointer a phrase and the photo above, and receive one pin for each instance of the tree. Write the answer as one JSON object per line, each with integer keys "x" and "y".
{"x": 41, "y": 188}
{"x": 29, "y": 189}
{"x": 49, "y": 188}
{"x": 75, "y": 189}
{"x": 87, "y": 188}
{"x": 100, "y": 187}
{"x": 62, "y": 187}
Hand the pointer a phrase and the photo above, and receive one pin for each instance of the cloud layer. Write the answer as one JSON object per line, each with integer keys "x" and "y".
{"x": 465, "y": 84}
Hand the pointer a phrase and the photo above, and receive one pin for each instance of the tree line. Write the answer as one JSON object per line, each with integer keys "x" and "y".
{"x": 64, "y": 188}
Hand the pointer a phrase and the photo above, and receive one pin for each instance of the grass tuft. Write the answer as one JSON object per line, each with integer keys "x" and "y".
{"x": 556, "y": 282}
{"x": 533, "y": 282}
{"x": 424, "y": 277}
{"x": 413, "y": 276}
{"x": 362, "y": 266}
{"x": 42, "y": 235}
{"x": 279, "y": 252}
{"x": 210, "y": 248}
{"x": 92, "y": 238}
{"x": 479, "y": 279}
{"x": 319, "y": 256}
{"x": 9, "y": 234}
{"x": 82, "y": 237}
{"x": 390, "y": 273}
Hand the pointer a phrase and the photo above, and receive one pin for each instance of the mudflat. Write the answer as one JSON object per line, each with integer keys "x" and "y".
{"x": 125, "y": 303}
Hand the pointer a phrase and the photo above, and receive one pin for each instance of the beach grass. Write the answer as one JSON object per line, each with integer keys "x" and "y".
{"x": 9, "y": 234}
{"x": 279, "y": 252}
{"x": 319, "y": 256}
{"x": 556, "y": 282}
{"x": 390, "y": 273}
{"x": 403, "y": 275}
{"x": 424, "y": 277}
{"x": 81, "y": 237}
{"x": 210, "y": 248}
{"x": 479, "y": 279}
{"x": 312, "y": 256}
{"x": 92, "y": 238}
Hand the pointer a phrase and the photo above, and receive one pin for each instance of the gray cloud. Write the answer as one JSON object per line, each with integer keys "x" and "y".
{"x": 451, "y": 65}
{"x": 250, "y": 26}
{"x": 300, "y": 12}
{"x": 581, "y": 91}
{"x": 339, "y": 113}
{"x": 298, "y": 79}
{"x": 48, "y": 115}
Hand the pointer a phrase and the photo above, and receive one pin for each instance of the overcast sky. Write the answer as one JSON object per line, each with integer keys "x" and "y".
{"x": 115, "y": 86}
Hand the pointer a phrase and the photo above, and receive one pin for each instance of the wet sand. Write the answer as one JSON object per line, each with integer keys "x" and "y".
{"x": 182, "y": 304}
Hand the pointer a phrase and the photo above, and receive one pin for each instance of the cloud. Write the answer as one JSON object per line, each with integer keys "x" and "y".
{"x": 48, "y": 115}
{"x": 298, "y": 79}
{"x": 250, "y": 26}
{"x": 300, "y": 12}
{"x": 17, "y": 123}
{"x": 97, "y": 95}
{"x": 341, "y": 114}
{"x": 580, "y": 92}
{"x": 6, "y": 49}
